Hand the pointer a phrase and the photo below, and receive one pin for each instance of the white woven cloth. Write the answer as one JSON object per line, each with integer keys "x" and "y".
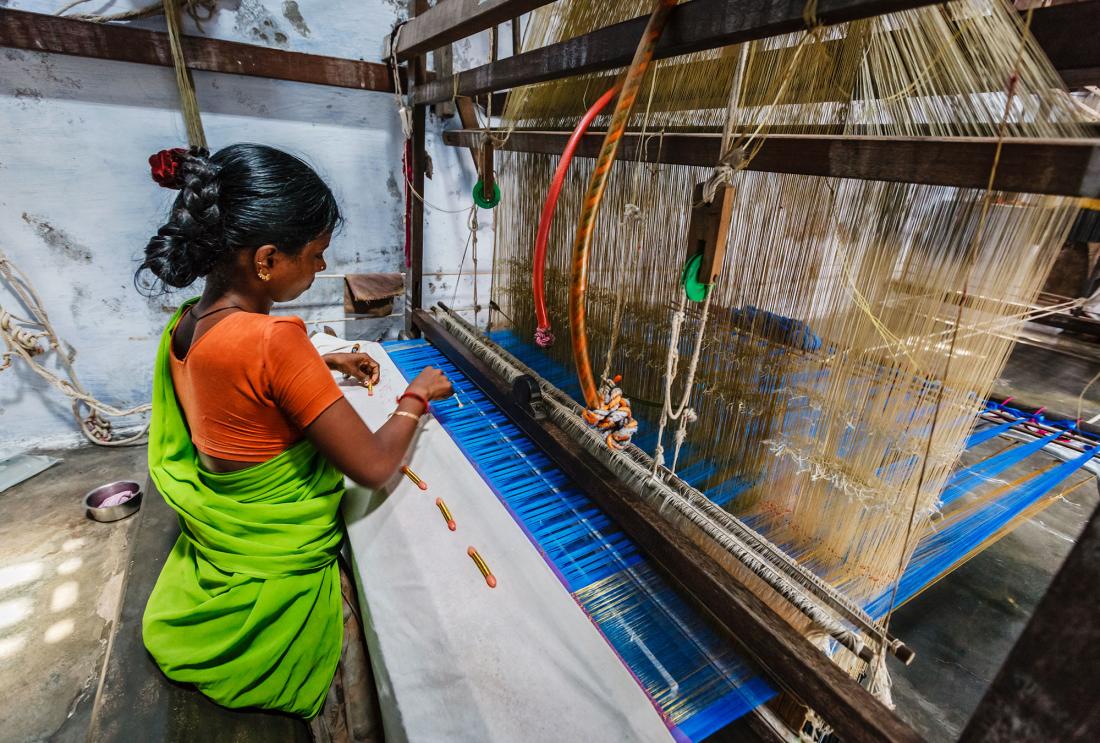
{"x": 454, "y": 659}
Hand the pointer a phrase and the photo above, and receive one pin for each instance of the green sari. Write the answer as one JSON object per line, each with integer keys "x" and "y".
{"x": 247, "y": 607}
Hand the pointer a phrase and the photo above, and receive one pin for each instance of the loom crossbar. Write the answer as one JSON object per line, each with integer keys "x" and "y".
{"x": 1069, "y": 167}
{"x": 706, "y": 24}
{"x": 692, "y": 27}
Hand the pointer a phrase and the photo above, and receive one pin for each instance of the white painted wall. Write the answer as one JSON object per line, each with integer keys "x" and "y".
{"x": 77, "y": 204}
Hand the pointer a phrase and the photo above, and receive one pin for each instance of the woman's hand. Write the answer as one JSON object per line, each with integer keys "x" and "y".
{"x": 359, "y": 366}
{"x": 432, "y": 384}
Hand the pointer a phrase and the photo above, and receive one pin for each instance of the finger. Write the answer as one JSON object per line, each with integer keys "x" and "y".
{"x": 357, "y": 371}
{"x": 369, "y": 368}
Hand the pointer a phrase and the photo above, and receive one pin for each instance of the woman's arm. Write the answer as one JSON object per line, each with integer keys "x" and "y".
{"x": 372, "y": 458}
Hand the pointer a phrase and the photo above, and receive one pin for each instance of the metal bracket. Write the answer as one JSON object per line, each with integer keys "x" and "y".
{"x": 528, "y": 395}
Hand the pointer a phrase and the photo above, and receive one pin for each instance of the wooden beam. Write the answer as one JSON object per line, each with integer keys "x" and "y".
{"x": 705, "y": 24}
{"x": 1069, "y": 167}
{"x": 1048, "y": 687}
{"x": 416, "y": 213}
{"x": 46, "y": 33}
{"x": 1063, "y": 32}
{"x": 854, "y": 714}
{"x": 692, "y": 27}
{"x": 468, "y": 116}
{"x": 419, "y": 162}
{"x": 456, "y": 19}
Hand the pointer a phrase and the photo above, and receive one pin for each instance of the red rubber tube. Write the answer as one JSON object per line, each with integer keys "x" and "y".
{"x": 543, "y": 335}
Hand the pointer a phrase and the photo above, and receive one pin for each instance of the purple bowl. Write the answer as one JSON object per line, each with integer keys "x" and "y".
{"x": 103, "y": 503}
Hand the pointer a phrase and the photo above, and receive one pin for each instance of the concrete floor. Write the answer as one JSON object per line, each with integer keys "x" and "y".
{"x": 61, "y": 576}
{"x": 963, "y": 626}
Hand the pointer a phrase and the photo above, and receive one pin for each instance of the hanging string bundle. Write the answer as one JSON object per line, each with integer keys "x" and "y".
{"x": 189, "y": 103}
{"x": 23, "y": 338}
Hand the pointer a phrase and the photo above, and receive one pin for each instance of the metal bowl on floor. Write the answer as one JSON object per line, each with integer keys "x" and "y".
{"x": 94, "y": 500}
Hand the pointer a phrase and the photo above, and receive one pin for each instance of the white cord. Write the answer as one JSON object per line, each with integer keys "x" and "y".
{"x": 683, "y": 414}
{"x": 22, "y": 342}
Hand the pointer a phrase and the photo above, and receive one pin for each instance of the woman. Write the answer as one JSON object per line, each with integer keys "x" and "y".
{"x": 250, "y": 436}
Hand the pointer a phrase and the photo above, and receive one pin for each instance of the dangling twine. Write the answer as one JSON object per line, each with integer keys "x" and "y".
{"x": 403, "y": 111}
{"x": 23, "y": 343}
{"x": 472, "y": 226}
{"x": 731, "y": 158}
{"x": 188, "y": 101}
{"x": 683, "y": 414}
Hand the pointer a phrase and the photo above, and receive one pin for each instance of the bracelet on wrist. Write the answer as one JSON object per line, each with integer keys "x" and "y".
{"x": 405, "y": 414}
{"x": 416, "y": 396}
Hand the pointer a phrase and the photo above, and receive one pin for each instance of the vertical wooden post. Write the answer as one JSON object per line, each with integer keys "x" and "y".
{"x": 444, "y": 68}
{"x": 485, "y": 169}
{"x": 416, "y": 221}
{"x": 418, "y": 75}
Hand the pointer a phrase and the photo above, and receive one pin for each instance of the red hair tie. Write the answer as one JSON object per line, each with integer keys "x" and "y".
{"x": 165, "y": 167}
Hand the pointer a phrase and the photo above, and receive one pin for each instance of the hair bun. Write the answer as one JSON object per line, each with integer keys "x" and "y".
{"x": 165, "y": 167}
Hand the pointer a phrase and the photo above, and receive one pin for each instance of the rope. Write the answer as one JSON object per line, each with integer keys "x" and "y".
{"x": 14, "y": 335}
{"x": 471, "y": 225}
{"x": 611, "y": 415}
{"x": 404, "y": 112}
{"x": 189, "y": 103}
{"x": 683, "y": 414}
{"x": 23, "y": 343}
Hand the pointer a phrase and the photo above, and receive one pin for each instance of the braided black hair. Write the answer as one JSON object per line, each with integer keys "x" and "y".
{"x": 244, "y": 196}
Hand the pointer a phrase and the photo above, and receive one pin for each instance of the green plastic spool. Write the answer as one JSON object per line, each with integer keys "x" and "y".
{"x": 479, "y": 195}
{"x": 695, "y": 289}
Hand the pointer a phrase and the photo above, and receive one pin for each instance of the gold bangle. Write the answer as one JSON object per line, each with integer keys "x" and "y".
{"x": 407, "y": 414}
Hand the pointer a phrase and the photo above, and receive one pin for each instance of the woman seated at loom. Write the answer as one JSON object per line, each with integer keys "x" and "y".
{"x": 250, "y": 439}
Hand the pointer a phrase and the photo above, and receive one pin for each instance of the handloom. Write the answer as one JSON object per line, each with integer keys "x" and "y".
{"x": 695, "y": 679}
{"x": 802, "y": 392}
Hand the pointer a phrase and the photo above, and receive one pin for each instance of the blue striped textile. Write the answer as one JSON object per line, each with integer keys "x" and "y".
{"x": 694, "y": 678}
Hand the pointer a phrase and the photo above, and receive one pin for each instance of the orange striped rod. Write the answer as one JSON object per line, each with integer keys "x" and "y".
{"x": 578, "y": 284}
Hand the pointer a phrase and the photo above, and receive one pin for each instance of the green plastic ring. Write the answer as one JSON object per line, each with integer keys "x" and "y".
{"x": 695, "y": 289}
{"x": 481, "y": 200}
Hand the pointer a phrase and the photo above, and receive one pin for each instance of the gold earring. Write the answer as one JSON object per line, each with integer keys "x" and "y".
{"x": 263, "y": 276}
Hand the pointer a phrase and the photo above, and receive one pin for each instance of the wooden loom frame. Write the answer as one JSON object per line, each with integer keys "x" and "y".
{"x": 1068, "y": 167}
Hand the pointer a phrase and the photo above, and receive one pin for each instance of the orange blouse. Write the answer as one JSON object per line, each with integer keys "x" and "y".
{"x": 250, "y": 385}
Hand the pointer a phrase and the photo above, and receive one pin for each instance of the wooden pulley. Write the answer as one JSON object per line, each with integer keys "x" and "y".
{"x": 708, "y": 233}
{"x": 486, "y": 190}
